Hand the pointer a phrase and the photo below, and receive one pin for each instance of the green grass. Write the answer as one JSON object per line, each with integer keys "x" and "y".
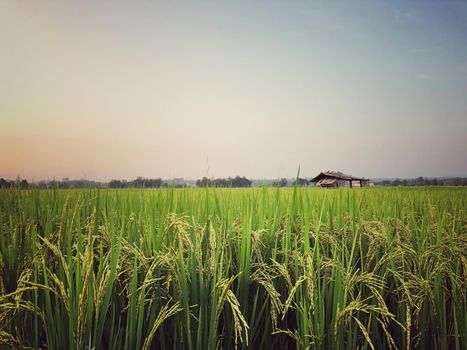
{"x": 257, "y": 268}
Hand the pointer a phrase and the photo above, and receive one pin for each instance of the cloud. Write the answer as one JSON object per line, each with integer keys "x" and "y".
{"x": 397, "y": 17}
{"x": 415, "y": 50}
{"x": 404, "y": 17}
{"x": 424, "y": 76}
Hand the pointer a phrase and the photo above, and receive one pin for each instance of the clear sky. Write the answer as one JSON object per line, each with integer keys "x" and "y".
{"x": 103, "y": 90}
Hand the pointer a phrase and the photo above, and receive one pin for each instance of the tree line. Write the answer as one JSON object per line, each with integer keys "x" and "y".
{"x": 139, "y": 182}
{"x": 422, "y": 181}
{"x": 233, "y": 182}
{"x": 283, "y": 182}
{"x": 44, "y": 184}
{"x": 237, "y": 182}
{"x": 18, "y": 183}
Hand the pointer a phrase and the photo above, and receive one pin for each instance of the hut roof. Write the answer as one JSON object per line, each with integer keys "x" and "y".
{"x": 336, "y": 175}
{"x": 327, "y": 181}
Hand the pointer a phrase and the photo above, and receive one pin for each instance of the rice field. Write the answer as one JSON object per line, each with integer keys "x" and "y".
{"x": 259, "y": 268}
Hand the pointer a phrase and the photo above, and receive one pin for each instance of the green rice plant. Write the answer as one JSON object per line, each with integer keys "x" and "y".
{"x": 259, "y": 268}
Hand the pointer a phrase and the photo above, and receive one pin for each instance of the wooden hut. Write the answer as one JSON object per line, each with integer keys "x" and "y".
{"x": 338, "y": 179}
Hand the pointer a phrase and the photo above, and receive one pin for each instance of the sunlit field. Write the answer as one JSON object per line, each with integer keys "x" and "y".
{"x": 255, "y": 268}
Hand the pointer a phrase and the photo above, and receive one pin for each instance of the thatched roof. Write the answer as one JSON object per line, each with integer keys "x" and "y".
{"x": 337, "y": 175}
{"x": 326, "y": 182}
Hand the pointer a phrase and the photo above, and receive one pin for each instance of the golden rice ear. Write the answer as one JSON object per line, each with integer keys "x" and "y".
{"x": 289, "y": 302}
{"x": 165, "y": 313}
{"x": 226, "y": 295}
{"x": 9, "y": 340}
{"x": 212, "y": 248}
{"x": 310, "y": 274}
{"x": 264, "y": 275}
{"x": 240, "y": 324}
{"x": 282, "y": 270}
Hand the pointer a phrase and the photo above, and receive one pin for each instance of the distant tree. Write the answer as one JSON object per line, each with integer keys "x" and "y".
{"x": 204, "y": 182}
{"x": 142, "y": 182}
{"x": 4, "y": 183}
{"x": 419, "y": 181}
{"x": 138, "y": 182}
{"x": 237, "y": 181}
{"x": 115, "y": 184}
{"x": 280, "y": 183}
{"x": 24, "y": 184}
{"x": 240, "y": 182}
{"x": 301, "y": 182}
{"x": 42, "y": 184}
{"x": 221, "y": 183}
{"x": 156, "y": 183}
{"x": 65, "y": 184}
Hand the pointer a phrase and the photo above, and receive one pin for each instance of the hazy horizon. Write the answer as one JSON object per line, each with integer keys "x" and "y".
{"x": 190, "y": 89}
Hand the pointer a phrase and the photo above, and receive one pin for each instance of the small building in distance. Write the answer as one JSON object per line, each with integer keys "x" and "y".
{"x": 338, "y": 179}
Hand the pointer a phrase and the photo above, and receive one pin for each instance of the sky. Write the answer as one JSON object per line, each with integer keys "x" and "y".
{"x": 116, "y": 90}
